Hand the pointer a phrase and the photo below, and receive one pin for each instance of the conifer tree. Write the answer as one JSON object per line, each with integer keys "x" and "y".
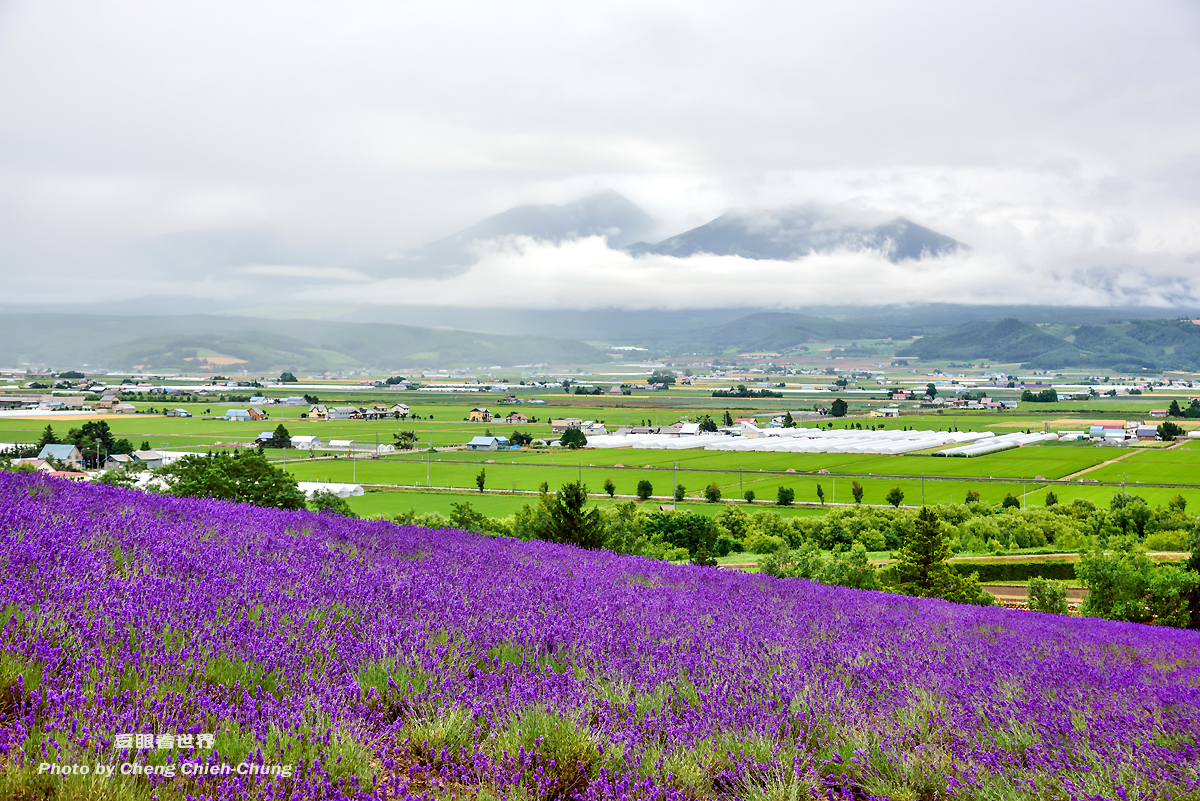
{"x": 923, "y": 570}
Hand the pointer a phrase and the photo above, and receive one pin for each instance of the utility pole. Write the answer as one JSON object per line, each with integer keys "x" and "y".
{"x": 922, "y": 489}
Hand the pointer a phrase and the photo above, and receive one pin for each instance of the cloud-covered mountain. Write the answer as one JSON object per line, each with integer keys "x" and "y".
{"x": 606, "y": 214}
{"x": 792, "y": 233}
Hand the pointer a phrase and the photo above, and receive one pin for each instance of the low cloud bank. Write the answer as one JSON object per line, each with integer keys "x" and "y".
{"x": 587, "y": 274}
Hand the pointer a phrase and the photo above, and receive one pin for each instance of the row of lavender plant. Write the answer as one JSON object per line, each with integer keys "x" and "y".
{"x": 397, "y": 661}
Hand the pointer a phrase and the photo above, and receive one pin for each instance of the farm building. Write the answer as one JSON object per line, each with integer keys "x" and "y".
{"x": 307, "y": 442}
{"x": 124, "y": 408}
{"x": 238, "y": 415}
{"x": 341, "y": 444}
{"x": 179, "y": 413}
{"x": 885, "y": 411}
{"x": 487, "y": 443}
{"x": 1158, "y": 412}
{"x": 343, "y": 413}
{"x": 148, "y": 458}
{"x": 560, "y": 426}
{"x": 118, "y": 461}
{"x": 480, "y": 415}
{"x": 67, "y": 454}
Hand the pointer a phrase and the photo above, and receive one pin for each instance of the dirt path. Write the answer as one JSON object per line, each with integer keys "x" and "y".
{"x": 1098, "y": 466}
{"x": 1005, "y": 592}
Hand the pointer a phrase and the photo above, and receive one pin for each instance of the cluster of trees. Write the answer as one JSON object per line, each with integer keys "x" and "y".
{"x": 94, "y": 440}
{"x": 1043, "y": 396}
{"x": 1191, "y": 412}
{"x": 740, "y": 391}
{"x": 243, "y": 477}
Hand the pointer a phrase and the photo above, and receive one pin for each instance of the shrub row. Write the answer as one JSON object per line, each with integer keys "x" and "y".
{"x": 1016, "y": 571}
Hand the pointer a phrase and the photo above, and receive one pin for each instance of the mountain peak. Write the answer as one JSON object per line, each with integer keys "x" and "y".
{"x": 606, "y": 213}
{"x": 791, "y": 233}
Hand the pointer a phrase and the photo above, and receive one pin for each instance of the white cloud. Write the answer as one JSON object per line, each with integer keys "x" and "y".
{"x": 587, "y": 274}
{"x": 1054, "y": 138}
{"x": 302, "y": 273}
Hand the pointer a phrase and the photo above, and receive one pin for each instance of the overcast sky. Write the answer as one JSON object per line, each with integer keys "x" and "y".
{"x": 222, "y": 150}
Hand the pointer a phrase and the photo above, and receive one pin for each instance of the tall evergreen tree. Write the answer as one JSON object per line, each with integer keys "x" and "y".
{"x": 923, "y": 570}
{"x": 48, "y": 438}
{"x": 569, "y": 523}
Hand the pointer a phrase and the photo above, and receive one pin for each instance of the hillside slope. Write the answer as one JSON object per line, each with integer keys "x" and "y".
{"x": 234, "y": 343}
{"x": 1127, "y": 347}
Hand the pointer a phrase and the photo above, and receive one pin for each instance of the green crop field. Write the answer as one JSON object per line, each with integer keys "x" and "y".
{"x": 495, "y": 504}
{"x": 1174, "y": 466}
{"x": 919, "y": 476}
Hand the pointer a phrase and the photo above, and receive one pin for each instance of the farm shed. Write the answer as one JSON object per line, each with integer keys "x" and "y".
{"x": 487, "y": 443}
{"x": 149, "y": 458}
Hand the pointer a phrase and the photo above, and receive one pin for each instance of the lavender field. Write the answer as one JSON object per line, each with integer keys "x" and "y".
{"x": 330, "y": 657}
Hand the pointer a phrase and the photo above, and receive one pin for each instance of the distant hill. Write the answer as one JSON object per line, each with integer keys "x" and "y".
{"x": 770, "y": 331}
{"x": 190, "y": 342}
{"x": 606, "y": 214}
{"x": 1153, "y": 345}
{"x": 792, "y": 233}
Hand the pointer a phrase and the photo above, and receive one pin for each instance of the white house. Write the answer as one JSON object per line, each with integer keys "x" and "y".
{"x": 179, "y": 413}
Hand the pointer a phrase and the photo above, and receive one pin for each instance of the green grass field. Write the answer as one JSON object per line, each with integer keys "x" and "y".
{"x": 1013, "y": 471}
{"x": 495, "y": 504}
